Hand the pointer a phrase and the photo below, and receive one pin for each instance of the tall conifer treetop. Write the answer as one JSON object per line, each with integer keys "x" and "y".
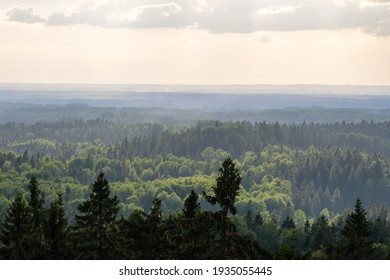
{"x": 96, "y": 219}
{"x": 228, "y": 184}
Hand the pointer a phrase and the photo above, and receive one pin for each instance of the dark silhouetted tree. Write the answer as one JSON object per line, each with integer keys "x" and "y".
{"x": 16, "y": 231}
{"x": 95, "y": 223}
{"x": 226, "y": 190}
{"x": 191, "y": 205}
{"x": 36, "y": 202}
{"x": 56, "y": 229}
{"x": 355, "y": 235}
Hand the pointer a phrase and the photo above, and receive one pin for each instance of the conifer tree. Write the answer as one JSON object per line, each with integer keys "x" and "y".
{"x": 56, "y": 229}
{"x": 154, "y": 247}
{"x": 355, "y": 234}
{"x": 95, "y": 222}
{"x": 288, "y": 223}
{"x": 191, "y": 205}
{"x": 226, "y": 191}
{"x": 36, "y": 202}
{"x": 249, "y": 220}
{"x": 16, "y": 230}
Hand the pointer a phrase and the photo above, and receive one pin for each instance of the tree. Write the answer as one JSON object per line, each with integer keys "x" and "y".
{"x": 288, "y": 223}
{"x": 35, "y": 202}
{"x": 191, "y": 205}
{"x": 319, "y": 233}
{"x": 95, "y": 223}
{"x": 154, "y": 245}
{"x": 56, "y": 229}
{"x": 142, "y": 234}
{"x": 226, "y": 191}
{"x": 355, "y": 235}
{"x": 16, "y": 230}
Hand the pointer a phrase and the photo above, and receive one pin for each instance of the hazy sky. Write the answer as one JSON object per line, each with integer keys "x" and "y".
{"x": 195, "y": 41}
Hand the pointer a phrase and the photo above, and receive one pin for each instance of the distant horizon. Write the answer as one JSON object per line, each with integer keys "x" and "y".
{"x": 120, "y": 89}
{"x": 172, "y": 87}
{"x": 194, "y": 84}
{"x": 199, "y": 96}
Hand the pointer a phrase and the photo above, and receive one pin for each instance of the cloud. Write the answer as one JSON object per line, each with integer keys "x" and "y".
{"x": 123, "y": 14}
{"x": 23, "y": 15}
{"x": 252, "y": 16}
{"x": 276, "y": 10}
{"x": 156, "y": 12}
{"x": 199, "y": 6}
{"x": 218, "y": 16}
{"x": 262, "y": 39}
{"x": 149, "y": 16}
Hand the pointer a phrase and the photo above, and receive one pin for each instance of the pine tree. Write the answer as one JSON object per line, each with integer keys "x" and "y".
{"x": 225, "y": 243}
{"x": 355, "y": 235}
{"x": 16, "y": 230}
{"x": 95, "y": 222}
{"x": 226, "y": 191}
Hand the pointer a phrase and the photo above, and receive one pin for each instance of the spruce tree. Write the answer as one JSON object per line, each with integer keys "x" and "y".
{"x": 36, "y": 202}
{"x": 154, "y": 243}
{"x": 95, "y": 223}
{"x": 191, "y": 205}
{"x": 355, "y": 235}
{"x": 16, "y": 230}
{"x": 56, "y": 229}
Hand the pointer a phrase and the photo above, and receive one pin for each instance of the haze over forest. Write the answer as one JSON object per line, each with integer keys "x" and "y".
{"x": 232, "y": 97}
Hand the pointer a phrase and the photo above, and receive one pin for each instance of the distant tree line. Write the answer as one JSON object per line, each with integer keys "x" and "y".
{"x": 62, "y": 139}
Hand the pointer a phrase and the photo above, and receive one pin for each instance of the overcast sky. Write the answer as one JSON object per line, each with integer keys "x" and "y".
{"x": 195, "y": 41}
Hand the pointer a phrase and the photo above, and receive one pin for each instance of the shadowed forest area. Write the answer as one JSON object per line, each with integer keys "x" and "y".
{"x": 107, "y": 188}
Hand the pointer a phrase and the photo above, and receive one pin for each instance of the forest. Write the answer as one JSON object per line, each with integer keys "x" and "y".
{"x": 104, "y": 187}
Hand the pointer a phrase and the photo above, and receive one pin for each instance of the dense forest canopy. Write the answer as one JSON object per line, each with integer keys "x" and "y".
{"x": 298, "y": 189}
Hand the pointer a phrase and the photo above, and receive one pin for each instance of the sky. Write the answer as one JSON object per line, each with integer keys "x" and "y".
{"x": 195, "y": 41}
